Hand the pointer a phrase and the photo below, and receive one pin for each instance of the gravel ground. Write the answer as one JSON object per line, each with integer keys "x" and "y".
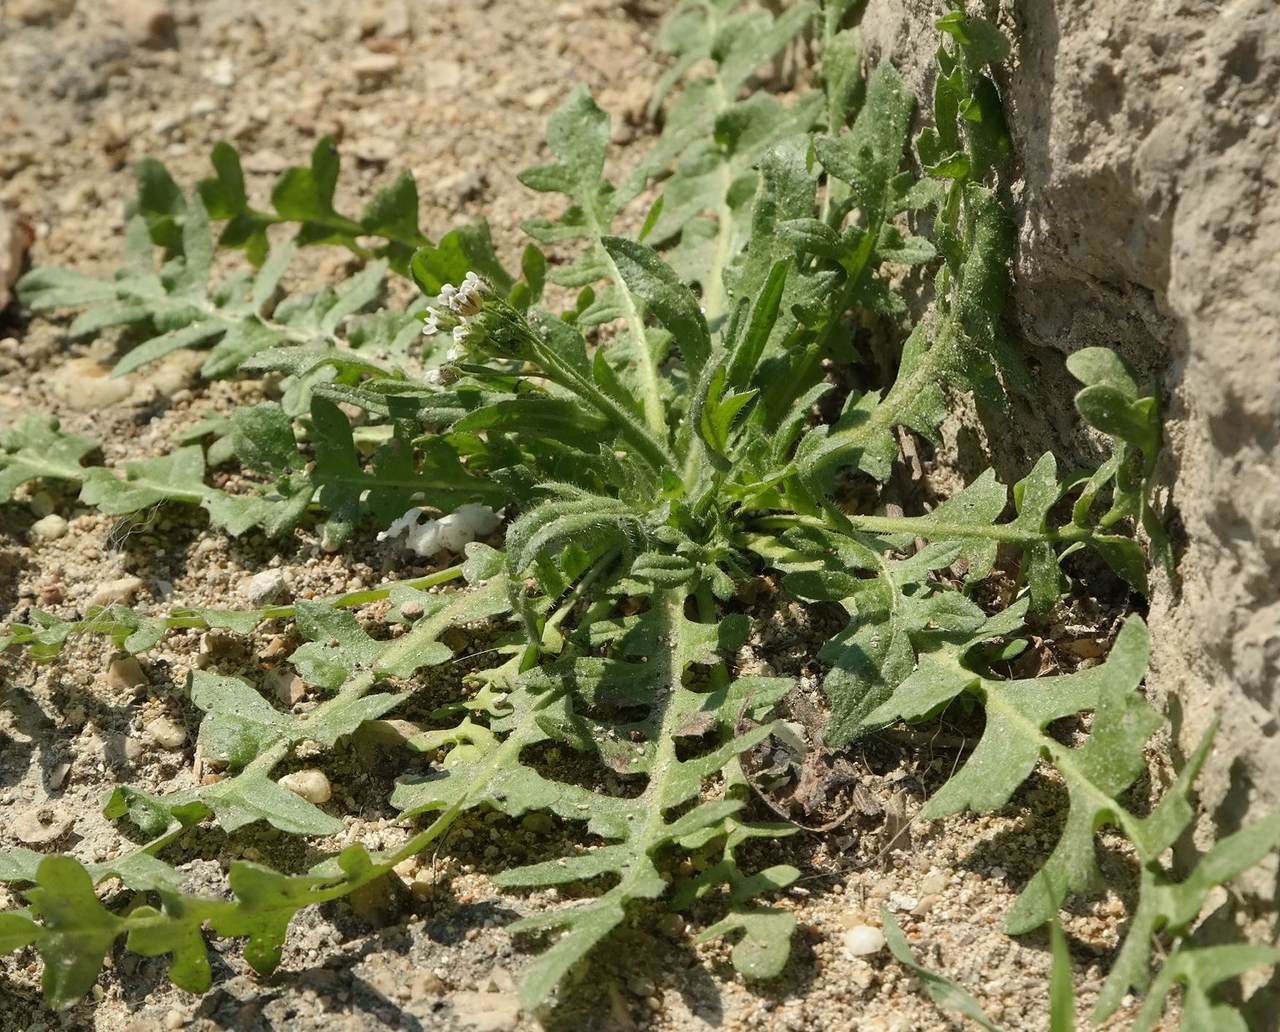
{"x": 457, "y": 93}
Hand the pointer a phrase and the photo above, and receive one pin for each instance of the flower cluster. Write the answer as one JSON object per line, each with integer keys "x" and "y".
{"x": 454, "y": 307}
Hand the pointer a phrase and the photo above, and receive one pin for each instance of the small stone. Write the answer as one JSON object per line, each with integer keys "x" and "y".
{"x": 486, "y": 1012}
{"x": 40, "y": 12}
{"x": 902, "y": 901}
{"x": 933, "y": 884}
{"x": 863, "y": 974}
{"x": 372, "y": 68}
{"x": 379, "y": 902}
{"x": 426, "y": 983}
{"x": 442, "y": 75}
{"x": 148, "y": 22}
{"x": 538, "y": 98}
{"x": 41, "y": 825}
{"x": 672, "y": 926}
{"x": 397, "y": 23}
{"x": 312, "y": 785}
{"x": 265, "y": 586}
{"x": 50, "y": 528}
{"x": 289, "y": 688}
{"x": 468, "y": 186}
{"x": 863, "y": 941}
{"x": 125, "y": 675}
{"x": 15, "y": 239}
{"x": 411, "y": 610}
{"x": 41, "y": 504}
{"x": 120, "y": 591}
{"x": 175, "y": 1019}
{"x": 58, "y": 776}
{"x": 166, "y": 733}
{"x": 277, "y": 648}
{"x": 88, "y": 387}
{"x": 221, "y": 72}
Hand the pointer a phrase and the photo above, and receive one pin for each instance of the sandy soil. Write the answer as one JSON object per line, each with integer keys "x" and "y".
{"x": 84, "y": 97}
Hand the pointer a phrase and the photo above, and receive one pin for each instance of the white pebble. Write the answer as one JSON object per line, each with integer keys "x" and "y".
{"x": 902, "y": 901}
{"x": 121, "y": 590}
{"x": 50, "y": 528}
{"x": 265, "y": 586}
{"x": 863, "y": 940}
{"x": 311, "y": 785}
{"x": 166, "y": 733}
{"x": 933, "y": 883}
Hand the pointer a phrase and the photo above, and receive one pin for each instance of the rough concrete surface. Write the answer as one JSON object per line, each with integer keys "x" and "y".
{"x": 1149, "y": 221}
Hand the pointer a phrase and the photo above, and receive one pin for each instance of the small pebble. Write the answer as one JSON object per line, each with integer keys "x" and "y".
{"x": 41, "y": 504}
{"x": 120, "y": 591}
{"x": 41, "y": 825}
{"x": 411, "y": 610}
{"x": 289, "y": 688}
{"x": 932, "y": 884}
{"x": 166, "y": 733}
{"x": 175, "y": 1020}
{"x": 266, "y": 586}
{"x": 312, "y": 785}
{"x": 370, "y": 67}
{"x": 863, "y": 940}
{"x": 49, "y": 528}
{"x": 125, "y": 674}
{"x": 150, "y": 23}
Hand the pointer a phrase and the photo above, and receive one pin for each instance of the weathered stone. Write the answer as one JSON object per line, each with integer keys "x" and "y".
{"x": 120, "y": 591}
{"x": 1149, "y": 221}
{"x": 50, "y": 528}
{"x": 125, "y": 675}
{"x": 312, "y": 785}
{"x": 166, "y": 733}
{"x": 148, "y": 22}
{"x": 265, "y": 586}
{"x": 15, "y": 239}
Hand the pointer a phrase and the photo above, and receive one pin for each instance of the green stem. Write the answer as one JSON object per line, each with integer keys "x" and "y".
{"x": 350, "y": 600}
{"x": 926, "y": 527}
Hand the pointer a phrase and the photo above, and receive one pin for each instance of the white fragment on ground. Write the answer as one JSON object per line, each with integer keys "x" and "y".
{"x": 863, "y": 941}
{"x": 265, "y": 586}
{"x": 486, "y": 1012}
{"x": 42, "y": 825}
{"x": 902, "y": 902}
{"x": 452, "y": 533}
{"x": 311, "y": 785}
{"x": 119, "y": 591}
{"x": 166, "y": 733}
{"x": 50, "y": 528}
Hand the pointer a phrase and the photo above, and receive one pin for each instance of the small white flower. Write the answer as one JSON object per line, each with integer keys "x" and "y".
{"x": 446, "y": 295}
{"x": 432, "y": 325}
{"x": 452, "y": 355}
{"x": 470, "y": 294}
{"x": 460, "y": 335}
